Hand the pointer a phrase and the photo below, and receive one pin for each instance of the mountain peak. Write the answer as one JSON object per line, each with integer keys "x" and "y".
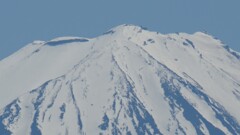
{"x": 130, "y": 81}
{"x": 126, "y": 28}
{"x": 129, "y": 27}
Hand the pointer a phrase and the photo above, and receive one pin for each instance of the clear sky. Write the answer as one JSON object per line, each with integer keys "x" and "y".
{"x": 21, "y": 22}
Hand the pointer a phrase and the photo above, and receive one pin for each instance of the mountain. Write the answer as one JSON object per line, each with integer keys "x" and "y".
{"x": 126, "y": 81}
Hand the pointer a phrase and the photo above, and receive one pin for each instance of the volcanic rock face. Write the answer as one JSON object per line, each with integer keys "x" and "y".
{"x": 127, "y": 81}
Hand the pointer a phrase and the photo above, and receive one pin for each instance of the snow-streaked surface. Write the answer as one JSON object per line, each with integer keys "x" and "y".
{"x": 128, "y": 80}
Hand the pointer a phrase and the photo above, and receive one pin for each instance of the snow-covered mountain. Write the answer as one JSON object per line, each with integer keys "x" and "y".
{"x": 126, "y": 81}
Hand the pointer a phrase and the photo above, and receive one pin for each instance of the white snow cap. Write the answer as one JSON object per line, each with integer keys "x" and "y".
{"x": 127, "y": 81}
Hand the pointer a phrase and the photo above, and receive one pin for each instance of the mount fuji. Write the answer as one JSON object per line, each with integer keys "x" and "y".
{"x": 127, "y": 81}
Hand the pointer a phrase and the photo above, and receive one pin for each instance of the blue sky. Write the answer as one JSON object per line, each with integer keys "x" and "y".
{"x": 22, "y": 22}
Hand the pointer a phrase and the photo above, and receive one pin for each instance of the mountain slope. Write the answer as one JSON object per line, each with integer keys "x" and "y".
{"x": 127, "y": 81}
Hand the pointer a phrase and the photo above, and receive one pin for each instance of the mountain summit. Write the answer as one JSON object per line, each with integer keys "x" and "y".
{"x": 127, "y": 81}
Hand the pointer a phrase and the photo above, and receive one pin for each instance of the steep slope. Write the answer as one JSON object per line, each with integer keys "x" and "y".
{"x": 128, "y": 81}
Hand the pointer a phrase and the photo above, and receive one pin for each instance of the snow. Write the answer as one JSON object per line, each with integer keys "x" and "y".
{"x": 28, "y": 69}
{"x": 129, "y": 80}
{"x": 65, "y": 38}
